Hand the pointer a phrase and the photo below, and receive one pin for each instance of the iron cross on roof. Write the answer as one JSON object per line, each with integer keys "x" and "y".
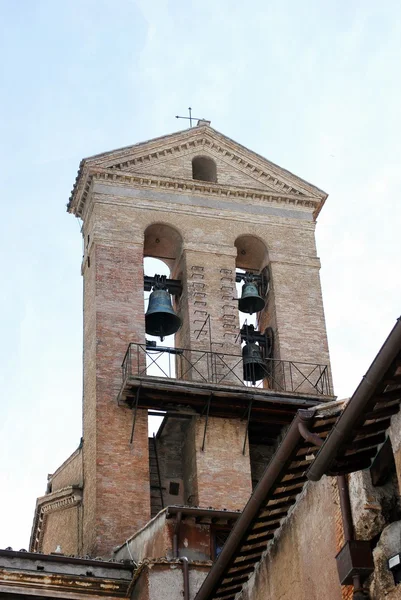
{"x": 190, "y": 118}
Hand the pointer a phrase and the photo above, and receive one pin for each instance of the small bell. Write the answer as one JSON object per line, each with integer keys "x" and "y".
{"x": 250, "y": 301}
{"x": 160, "y": 318}
{"x": 253, "y": 363}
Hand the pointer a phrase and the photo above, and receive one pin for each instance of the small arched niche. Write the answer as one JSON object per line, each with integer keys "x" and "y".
{"x": 251, "y": 253}
{"x": 163, "y": 242}
{"x": 204, "y": 169}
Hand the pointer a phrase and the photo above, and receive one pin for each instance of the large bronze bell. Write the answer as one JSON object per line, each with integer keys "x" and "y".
{"x": 160, "y": 318}
{"x": 250, "y": 301}
{"x": 253, "y": 363}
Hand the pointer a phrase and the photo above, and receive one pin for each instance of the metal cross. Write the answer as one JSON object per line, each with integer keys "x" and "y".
{"x": 190, "y": 118}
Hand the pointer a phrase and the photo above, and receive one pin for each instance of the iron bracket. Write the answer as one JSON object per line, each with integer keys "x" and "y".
{"x": 173, "y": 286}
{"x": 247, "y": 427}
{"x": 135, "y": 410}
{"x": 206, "y": 422}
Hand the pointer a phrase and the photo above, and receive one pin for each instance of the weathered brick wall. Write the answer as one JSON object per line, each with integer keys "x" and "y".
{"x": 62, "y": 529}
{"x": 260, "y": 456}
{"x": 170, "y": 454}
{"x": 70, "y": 472}
{"x": 227, "y": 173}
{"x": 116, "y": 475}
{"x": 223, "y": 471}
{"x": 191, "y": 497}
{"x": 116, "y": 501}
{"x": 208, "y": 260}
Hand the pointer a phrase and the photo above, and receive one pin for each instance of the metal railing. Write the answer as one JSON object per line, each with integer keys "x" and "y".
{"x": 203, "y": 366}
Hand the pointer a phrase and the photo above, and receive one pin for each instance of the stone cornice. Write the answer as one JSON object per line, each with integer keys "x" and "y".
{"x": 185, "y": 186}
{"x": 60, "y": 585}
{"x": 276, "y": 179}
{"x": 60, "y": 500}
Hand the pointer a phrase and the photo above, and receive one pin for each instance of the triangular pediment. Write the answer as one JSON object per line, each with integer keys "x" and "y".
{"x": 171, "y": 157}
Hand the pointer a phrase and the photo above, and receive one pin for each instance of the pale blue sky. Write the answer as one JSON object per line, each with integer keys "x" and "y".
{"x": 314, "y": 86}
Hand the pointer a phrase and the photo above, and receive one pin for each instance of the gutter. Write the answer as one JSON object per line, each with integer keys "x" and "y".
{"x": 256, "y": 501}
{"x": 72, "y": 560}
{"x": 189, "y": 511}
{"x": 357, "y": 404}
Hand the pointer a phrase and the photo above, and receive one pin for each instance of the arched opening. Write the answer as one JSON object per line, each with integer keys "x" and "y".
{"x": 252, "y": 259}
{"x": 251, "y": 253}
{"x": 163, "y": 242}
{"x": 162, "y": 250}
{"x": 204, "y": 169}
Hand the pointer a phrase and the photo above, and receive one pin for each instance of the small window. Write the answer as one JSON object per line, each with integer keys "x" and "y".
{"x": 204, "y": 169}
{"x": 218, "y": 539}
{"x": 174, "y": 488}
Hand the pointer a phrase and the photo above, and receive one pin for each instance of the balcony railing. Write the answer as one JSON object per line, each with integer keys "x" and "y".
{"x": 220, "y": 368}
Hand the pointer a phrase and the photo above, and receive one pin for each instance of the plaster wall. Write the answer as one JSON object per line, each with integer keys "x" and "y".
{"x": 152, "y": 541}
{"x": 300, "y": 563}
{"x": 395, "y": 437}
{"x": 166, "y": 581}
{"x": 155, "y": 540}
{"x": 141, "y": 588}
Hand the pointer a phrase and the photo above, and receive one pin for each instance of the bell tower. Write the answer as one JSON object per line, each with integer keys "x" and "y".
{"x": 219, "y": 216}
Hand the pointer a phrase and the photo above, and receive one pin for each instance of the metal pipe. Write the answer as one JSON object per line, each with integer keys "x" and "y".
{"x": 256, "y": 501}
{"x": 345, "y": 505}
{"x": 359, "y": 593}
{"x": 357, "y": 404}
{"x": 176, "y": 533}
{"x": 348, "y": 527}
{"x": 158, "y": 470}
{"x": 185, "y": 574}
{"x": 309, "y": 436}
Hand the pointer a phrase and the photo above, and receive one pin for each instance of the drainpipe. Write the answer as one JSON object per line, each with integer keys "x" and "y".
{"x": 185, "y": 574}
{"x": 176, "y": 533}
{"x": 183, "y": 559}
{"x": 348, "y": 527}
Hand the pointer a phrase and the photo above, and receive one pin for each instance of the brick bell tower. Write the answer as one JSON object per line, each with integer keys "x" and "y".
{"x": 215, "y": 213}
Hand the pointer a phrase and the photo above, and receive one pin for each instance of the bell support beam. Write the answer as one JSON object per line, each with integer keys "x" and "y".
{"x": 173, "y": 286}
